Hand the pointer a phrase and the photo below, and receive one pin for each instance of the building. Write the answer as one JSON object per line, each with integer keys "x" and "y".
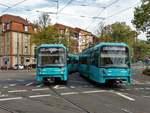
{"x": 85, "y": 39}
{"x": 15, "y": 45}
{"x": 79, "y": 38}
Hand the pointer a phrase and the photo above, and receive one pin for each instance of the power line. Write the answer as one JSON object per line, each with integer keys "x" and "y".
{"x": 121, "y": 11}
{"x": 13, "y": 6}
{"x": 4, "y": 5}
{"x": 69, "y": 2}
{"x": 104, "y": 8}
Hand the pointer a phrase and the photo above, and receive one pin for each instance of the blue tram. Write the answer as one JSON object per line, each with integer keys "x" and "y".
{"x": 51, "y": 63}
{"x": 106, "y": 63}
{"x": 72, "y": 63}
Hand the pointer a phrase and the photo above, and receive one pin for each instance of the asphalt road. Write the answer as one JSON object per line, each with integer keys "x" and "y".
{"x": 19, "y": 93}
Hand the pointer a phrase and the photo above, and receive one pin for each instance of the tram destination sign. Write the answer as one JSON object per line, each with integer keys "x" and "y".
{"x": 51, "y": 50}
{"x": 115, "y": 48}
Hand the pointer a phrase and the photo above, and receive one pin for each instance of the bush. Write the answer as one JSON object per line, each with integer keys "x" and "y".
{"x": 146, "y": 71}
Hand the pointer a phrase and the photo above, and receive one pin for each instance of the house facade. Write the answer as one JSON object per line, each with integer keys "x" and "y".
{"x": 15, "y": 44}
{"x": 79, "y": 38}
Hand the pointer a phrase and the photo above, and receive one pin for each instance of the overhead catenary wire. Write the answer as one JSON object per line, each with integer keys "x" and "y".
{"x": 4, "y": 5}
{"x": 121, "y": 11}
{"x": 18, "y": 3}
{"x": 68, "y": 3}
{"x": 104, "y": 8}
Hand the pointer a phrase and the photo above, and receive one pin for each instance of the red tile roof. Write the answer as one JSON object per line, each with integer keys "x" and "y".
{"x": 9, "y": 18}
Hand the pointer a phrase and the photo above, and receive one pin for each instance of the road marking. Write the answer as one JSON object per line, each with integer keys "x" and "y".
{"x": 96, "y": 91}
{"x": 41, "y": 89}
{"x": 17, "y": 91}
{"x": 125, "y": 110}
{"x": 36, "y": 96}
{"x": 69, "y": 93}
{"x": 55, "y": 87}
{"x": 124, "y": 96}
{"x": 147, "y": 88}
{"x": 5, "y": 87}
{"x": 12, "y": 85}
{"x": 72, "y": 87}
{"x": 38, "y": 86}
{"x": 29, "y": 84}
{"x": 6, "y": 99}
{"x": 20, "y": 80}
{"x": 146, "y": 96}
{"x": 3, "y": 95}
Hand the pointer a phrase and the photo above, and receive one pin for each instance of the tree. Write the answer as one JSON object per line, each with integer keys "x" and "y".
{"x": 142, "y": 16}
{"x": 43, "y": 20}
{"x": 48, "y": 35}
{"x": 119, "y": 32}
{"x": 141, "y": 50}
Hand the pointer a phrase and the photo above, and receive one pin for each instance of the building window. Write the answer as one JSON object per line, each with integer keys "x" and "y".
{"x": 26, "y": 29}
{"x": 7, "y": 26}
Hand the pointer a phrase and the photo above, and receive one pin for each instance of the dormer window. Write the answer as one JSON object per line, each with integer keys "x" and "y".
{"x": 26, "y": 28}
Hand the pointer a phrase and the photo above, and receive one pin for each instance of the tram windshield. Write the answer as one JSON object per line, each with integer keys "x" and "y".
{"x": 51, "y": 57}
{"x": 114, "y": 56}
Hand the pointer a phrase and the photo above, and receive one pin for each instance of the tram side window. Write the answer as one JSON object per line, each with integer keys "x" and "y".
{"x": 94, "y": 59}
{"x": 83, "y": 60}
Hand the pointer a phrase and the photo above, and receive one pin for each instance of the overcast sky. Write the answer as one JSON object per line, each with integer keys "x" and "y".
{"x": 86, "y": 14}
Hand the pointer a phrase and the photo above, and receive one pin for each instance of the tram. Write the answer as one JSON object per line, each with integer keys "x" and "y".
{"x": 106, "y": 62}
{"x": 51, "y": 63}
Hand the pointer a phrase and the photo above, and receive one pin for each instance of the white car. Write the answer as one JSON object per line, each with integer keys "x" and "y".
{"x": 18, "y": 66}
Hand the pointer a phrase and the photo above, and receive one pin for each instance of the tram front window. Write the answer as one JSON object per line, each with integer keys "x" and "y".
{"x": 114, "y": 56}
{"x": 51, "y": 57}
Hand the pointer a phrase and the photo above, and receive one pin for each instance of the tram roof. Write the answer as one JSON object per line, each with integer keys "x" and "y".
{"x": 105, "y": 44}
{"x": 52, "y": 45}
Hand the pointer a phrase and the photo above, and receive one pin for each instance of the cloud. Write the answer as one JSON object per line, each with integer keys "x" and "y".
{"x": 77, "y": 14}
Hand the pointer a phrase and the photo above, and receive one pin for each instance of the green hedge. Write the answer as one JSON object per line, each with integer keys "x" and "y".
{"x": 146, "y": 71}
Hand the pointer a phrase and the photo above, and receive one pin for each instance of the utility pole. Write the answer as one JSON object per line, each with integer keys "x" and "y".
{"x": 17, "y": 50}
{"x": 57, "y": 5}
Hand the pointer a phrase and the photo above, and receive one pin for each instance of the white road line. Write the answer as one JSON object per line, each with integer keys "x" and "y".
{"x": 55, "y": 87}
{"x": 6, "y": 99}
{"x": 40, "y": 89}
{"x": 147, "y": 88}
{"x": 5, "y": 87}
{"x": 96, "y": 91}
{"x": 3, "y": 95}
{"x": 72, "y": 87}
{"x": 146, "y": 96}
{"x": 125, "y": 110}
{"x": 69, "y": 93}
{"x": 63, "y": 87}
{"x": 29, "y": 84}
{"x": 19, "y": 80}
{"x": 17, "y": 91}
{"x": 124, "y": 96}
{"x": 12, "y": 85}
{"x": 38, "y": 86}
{"x": 36, "y": 96}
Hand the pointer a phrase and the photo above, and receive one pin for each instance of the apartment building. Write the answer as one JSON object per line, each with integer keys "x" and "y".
{"x": 81, "y": 38}
{"x": 15, "y": 45}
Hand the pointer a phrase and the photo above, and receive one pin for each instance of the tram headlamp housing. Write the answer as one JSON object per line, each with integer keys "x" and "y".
{"x": 62, "y": 71}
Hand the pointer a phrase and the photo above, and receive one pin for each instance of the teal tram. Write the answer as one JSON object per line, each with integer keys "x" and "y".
{"x": 72, "y": 63}
{"x": 106, "y": 63}
{"x": 51, "y": 63}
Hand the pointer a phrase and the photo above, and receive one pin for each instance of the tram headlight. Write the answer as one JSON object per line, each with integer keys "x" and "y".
{"x": 62, "y": 71}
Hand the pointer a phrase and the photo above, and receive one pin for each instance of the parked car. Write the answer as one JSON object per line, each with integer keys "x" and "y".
{"x": 18, "y": 66}
{"x": 31, "y": 66}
